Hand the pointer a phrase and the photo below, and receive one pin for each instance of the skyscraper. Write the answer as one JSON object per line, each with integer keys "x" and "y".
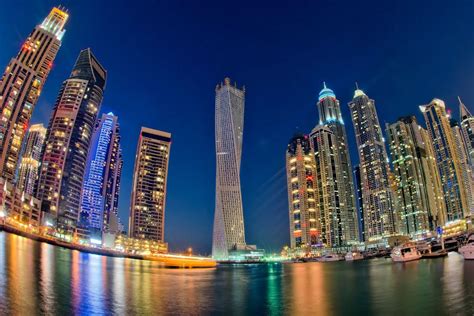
{"x": 340, "y": 197}
{"x": 360, "y": 202}
{"x": 379, "y": 217}
{"x": 327, "y": 184}
{"x": 465, "y": 167}
{"x": 28, "y": 170}
{"x": 467, "y": 128}
{"x": 413, "y": 178}
{"x": 229, "y": 229}
{"x": 147, "y": 211}
{"x": 101, "y": 187}
{"x": 21, "y": 86}
{"x": 447, "y": 159}
{"x": 67, "y": 142}
{"x": 305, "y": 226}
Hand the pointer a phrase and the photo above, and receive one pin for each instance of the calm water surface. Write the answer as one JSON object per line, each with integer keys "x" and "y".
{"x": 37, "y": 278}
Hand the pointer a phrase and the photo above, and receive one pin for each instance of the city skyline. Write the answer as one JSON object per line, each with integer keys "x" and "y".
{"x": 308, "y": 107}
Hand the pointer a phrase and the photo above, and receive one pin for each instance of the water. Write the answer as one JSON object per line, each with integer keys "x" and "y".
{"x": 37, "y": 278}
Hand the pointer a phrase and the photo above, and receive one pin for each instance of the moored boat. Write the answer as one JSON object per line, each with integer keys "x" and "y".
{"x": 434, "y": 250}
{"x": 353, "y": 256}
{"x": 330, "y": 258}
{"x": 405, "y": 253}
{"x": 467, "y": 251}
{"x": 451, "y": 244}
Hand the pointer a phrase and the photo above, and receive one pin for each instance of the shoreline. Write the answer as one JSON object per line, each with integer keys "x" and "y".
{"x": 166, "y": 260}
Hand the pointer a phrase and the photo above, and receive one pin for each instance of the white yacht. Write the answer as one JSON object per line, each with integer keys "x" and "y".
{"x": 330, "y": 257}
{"x": 353, "y": 256}
{"x": 404, "y": 253}
{"x": 467, "y": 251}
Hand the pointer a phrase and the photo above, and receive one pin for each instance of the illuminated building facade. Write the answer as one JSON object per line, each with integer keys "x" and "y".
{"x": 229, "y": 232}
{"x": 360, "y": 204}
{"x": 101, "y": 186}
{"x": 327, "y": 184}
{"x": 377, "y": 200}
{"x": 28, "y": 170}
{"x": 332, "y": 158}
{"x": 20, "y": 207}
{"x": 147, "y": 213}
{"x": 68, "y": 139}
{"x": 21, "y": 85}
{"x": 466, "y": 172}
{"x": 305, "y": 227}
{"x": 467, "y": 128}
{"x": 447, "y": 159}
{"x": 410, "y": 161}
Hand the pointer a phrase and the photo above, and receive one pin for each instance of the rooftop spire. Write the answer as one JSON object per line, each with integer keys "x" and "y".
{"x": 358, "y": 92}
{"x": 463, "y": 111}
{"x": 326, "y": 92}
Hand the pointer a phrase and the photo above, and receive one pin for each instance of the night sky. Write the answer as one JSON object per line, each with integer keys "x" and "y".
{"x": 164, "y": 59}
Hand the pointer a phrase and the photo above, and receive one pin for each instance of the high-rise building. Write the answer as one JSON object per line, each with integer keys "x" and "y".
{"x": 101, "y": 186}
{"x": 147, "y": 211}
{"x": 379, "y": 217}
{"x": 466, "y": 171}
{"x": 447, "y": 159}
{"x": 21, "y": 86}
{"x": 305, "y": 228}
{"x": 68, "y": 140}
{"x": 340, "y": 197}
{"x": 360, "y": 203}
{"x": 327, "y": 185}
{"x": 229, "y": 232}
{"x": 410, "y": 161}
{"x": 437, "y": 205}
{"x": 28, "y": 170}
{"x": 467, "y": 128}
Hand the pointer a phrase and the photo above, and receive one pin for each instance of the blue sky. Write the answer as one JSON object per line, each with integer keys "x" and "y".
{"x": 164, "y": 59}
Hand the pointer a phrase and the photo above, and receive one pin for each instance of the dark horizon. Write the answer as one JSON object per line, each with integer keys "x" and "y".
{"x": 165, "y": 59}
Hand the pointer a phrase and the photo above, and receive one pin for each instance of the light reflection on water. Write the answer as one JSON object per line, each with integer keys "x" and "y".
{"x": 39, "y": 278}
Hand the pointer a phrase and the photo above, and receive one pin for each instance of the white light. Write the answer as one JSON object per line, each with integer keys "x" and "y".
{"x": 96, "y": 241}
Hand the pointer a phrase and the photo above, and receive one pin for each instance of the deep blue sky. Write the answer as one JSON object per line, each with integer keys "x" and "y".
{"x": 164, "y": 59}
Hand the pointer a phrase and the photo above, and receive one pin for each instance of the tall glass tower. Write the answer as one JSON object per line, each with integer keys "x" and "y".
{"x": 467, "y": 128}
{"x": 68, "y": 140}
{"x": 28, "y": 170}
{"x": 331, "y": 151}
{"x": 466, "y": 171}
{"x": 21, "y": 85}
{"x": 229, "y": 230}
{"x": 447, "y": 159}
{"x": 377, "y": 196}
{"x": 413, "y": 177}
{"x": 147, "y": 210}
{"x": 100, "y": 191}
{"x": 305, "y": 226}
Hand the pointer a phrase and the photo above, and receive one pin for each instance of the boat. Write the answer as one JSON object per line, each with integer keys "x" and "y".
{"x": 467, "y": 251}
{"x": 433, "y": 250}
{"x": 423, "y": 246}
{"x": 353, "y": 256}
{"x": 330, "y": 258}
{"x": 405, "y": 253}
{"x": 451, "y": 244}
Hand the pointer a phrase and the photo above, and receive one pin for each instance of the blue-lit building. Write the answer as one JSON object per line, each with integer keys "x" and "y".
{"x": 331, "y": 150}
{"x": 101, "y": 186}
